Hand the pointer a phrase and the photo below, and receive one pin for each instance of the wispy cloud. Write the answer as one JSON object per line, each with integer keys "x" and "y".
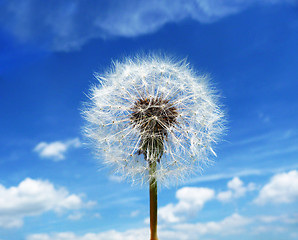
{"x": 241, "y": 173}
{"x": 285, "y": 135}
{"x": 227, "y": 175}
{"x": 115, "y": 178}
{"x": 279, "y": 145}
{"x": 68, "y": 25}
{"x": 135, "y": 213}
{"x": 272, "y": 144}
{"x": 75, "y": 216}
{"x": 34, "y": 197}
{"x": 56, "y": 150}
{"x": 286, "y": 218}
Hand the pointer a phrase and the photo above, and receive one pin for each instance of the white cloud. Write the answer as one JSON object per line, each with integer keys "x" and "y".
{"x": 267, "y": 219}
{"x": 282, "y": 188}
{"x": 135, "y": 213}
{"x": 220, "y": 176}
{"x": 115, "y": 178}
{"x": 285, "y": 218}
{"x": 294, "y": 235}
{"x": 264, "y": 118}
{"x": 225, "y": 196}
{"x": 133, "y": 234}
{"x": 34, "y": 197}
{"x": 191, "y": 200}
{"x": 67, "y": 25}
{"x": 236, "y": 190}
{"x": 234, "y": 224}
{"x": 56, "y": 150}
{"x": 230, "y": 225}
{"x": 272, "y": 229}
{"x": 75, "y": 216}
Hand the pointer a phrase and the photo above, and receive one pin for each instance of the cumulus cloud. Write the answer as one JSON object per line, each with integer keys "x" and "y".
{"x": 282, "y": 188}
{"x": 190, "y": 201}
{"x": 236, "y": 189}
{"x": 68, "y": 25}
{"x": 34, "y": 197}
{"x": 56, "y": 150}
{"x": 133, "y": 234}
{"x": 230, "y": 225}
{"x": 233, "y": 224}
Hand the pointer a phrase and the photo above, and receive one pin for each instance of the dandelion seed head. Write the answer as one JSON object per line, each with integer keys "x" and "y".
{"x": 153, "y": 108}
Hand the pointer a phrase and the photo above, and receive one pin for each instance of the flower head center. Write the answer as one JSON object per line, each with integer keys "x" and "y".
{"x": 153, "y": 117}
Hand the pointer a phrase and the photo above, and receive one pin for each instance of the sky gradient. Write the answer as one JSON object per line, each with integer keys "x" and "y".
{"x": 52, "y": 187}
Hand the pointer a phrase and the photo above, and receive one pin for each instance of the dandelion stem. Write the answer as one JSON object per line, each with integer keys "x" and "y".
{"x": 153, "y": 201}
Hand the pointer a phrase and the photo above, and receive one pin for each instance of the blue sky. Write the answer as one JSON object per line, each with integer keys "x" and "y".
{"x": 52, "y": 187}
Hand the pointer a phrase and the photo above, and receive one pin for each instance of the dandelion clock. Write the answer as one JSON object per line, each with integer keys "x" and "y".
{"x": 153, "y": 120}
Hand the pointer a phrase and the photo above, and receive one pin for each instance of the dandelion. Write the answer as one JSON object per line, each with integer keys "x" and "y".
{"x": 153, "y": 120}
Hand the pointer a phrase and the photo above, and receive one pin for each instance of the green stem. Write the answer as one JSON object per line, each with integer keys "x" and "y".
{"x": 153, "y": 201}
